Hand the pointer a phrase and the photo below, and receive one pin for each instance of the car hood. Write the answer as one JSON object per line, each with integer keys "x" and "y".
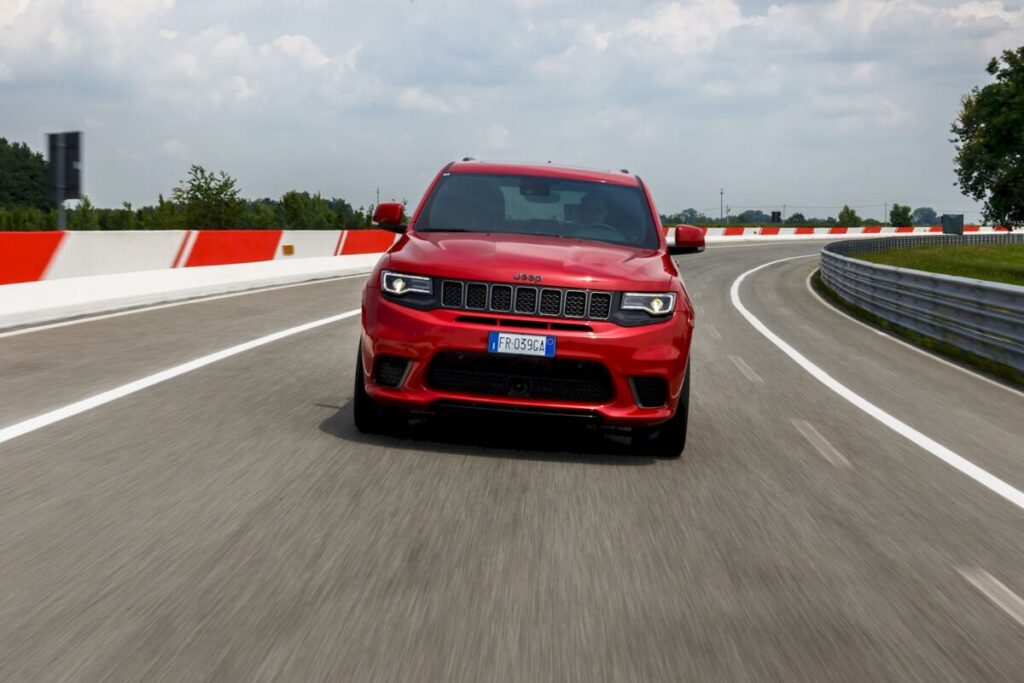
{"x": 558, "y": 262}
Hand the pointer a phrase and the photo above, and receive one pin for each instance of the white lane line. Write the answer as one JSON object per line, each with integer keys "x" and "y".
{"x": 713, "y": 331}
{"x": 72, "y": 409}
{"x": 908, "y": 345}
{"x": 199, "y": 300}
{"x": 820, "y": 443}
{"x": 994, "y": 590}
{"x": 952, "y": 459}
{"x": 747, "y": 371}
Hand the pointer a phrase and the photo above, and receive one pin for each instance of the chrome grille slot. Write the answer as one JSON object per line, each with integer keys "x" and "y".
{"x": 476, "y": 296}
{"x": 501, "y": 298}
{"x": 575, "y": 304}
{"x": 451, "y": 294}
{"x": 551, "y": 302}
{"x": 526, "y": 299}
{"x": 600, "y": 305}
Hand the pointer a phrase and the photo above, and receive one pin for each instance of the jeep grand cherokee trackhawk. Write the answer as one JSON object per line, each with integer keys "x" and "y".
{"x": 536, "y": 289}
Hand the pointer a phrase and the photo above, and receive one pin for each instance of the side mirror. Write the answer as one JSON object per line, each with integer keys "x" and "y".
{"x": 388, "y": 215}
{"x": 689, "y": 240}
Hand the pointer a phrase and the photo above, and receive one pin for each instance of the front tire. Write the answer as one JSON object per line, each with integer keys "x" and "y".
{"x": 369, "y": 417}
{"x": 666, "y": 440}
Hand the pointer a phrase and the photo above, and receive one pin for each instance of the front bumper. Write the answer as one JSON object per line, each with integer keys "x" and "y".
{"x": 391, "y": 329}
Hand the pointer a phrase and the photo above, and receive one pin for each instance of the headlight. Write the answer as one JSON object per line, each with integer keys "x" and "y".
{"x": 400, "y": 284}
{"x": 653, "y": 303}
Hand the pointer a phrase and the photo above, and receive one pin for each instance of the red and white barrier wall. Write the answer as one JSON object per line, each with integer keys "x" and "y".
{"x": 765, "y": 232}
{"x": 33, "y": 256}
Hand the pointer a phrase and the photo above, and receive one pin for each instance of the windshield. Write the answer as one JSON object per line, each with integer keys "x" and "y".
{"x": 537, "y": 205}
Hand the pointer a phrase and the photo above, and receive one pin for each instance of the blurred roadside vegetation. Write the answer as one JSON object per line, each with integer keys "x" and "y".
{"x": 202, "y": 200}
{"x": 995, "y": 262}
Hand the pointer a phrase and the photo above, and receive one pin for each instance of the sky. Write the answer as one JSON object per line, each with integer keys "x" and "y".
{"x": 802, "y": 106}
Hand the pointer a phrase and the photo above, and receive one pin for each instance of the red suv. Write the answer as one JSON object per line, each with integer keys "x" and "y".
{"x": 530, "y": 289}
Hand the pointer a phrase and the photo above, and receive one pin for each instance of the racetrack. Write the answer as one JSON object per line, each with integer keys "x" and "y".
{"x": 229, "y": 523}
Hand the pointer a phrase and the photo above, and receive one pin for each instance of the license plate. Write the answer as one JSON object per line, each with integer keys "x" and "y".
{"x": 521, "y": 344}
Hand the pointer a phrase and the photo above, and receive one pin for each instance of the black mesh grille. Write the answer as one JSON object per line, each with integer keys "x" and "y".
{"x": 600, "y": 305}
{"x": 476, "y": 296}
{"x": 550, "y": 302}
{"x": 520, "y": 376}
{"x": 388, "y": 370}
{"x": 526, "y": 300}
{"x": 575, "y": 304}
{"x": 501, "y": 298}
{"x": 451, "y": 294}
{"x": 651, "y": 392}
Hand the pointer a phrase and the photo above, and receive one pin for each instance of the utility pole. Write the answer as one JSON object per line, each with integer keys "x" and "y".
{"x": 378, "y": 197}
{"x": 61, "y": 217}
{"x": 65, "y": 170}
{"x": 721, "y": 204}
{"x": 783, "y": 213}
{"x": 885, "y": 212}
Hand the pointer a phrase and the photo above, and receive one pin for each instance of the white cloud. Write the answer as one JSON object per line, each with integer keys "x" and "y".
{"x": 242, "y": 89}
{"x": 497, "y": 137}
{"x": 303, "y": 50}
{"x": 184, "y": 64}
{"x": 127, "y": 13}
{"x": 688, "y": 28}
{"x": 417, "y": 99}
{"x": 6, "y": 73}
{"x": 234, "y": 46}
{"x": 175, "y": 149}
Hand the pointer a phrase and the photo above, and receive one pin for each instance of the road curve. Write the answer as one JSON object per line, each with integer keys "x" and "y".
{"x": 228, "y": 523}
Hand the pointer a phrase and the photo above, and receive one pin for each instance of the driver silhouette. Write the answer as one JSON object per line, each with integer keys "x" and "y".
{"x": 593, "y": 208}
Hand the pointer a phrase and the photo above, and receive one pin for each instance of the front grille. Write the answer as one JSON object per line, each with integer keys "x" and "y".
{"x": 650, "y": 392}
{"x": 476, "y": 296}
{"x": 575, "y": 304}
{"x": 388, "y": 371}
{"x": 600, "y": 305}
{"x": 451, "y": 294}
{"x": 526, "y": 300}
{"x": 556, "y": 379}
{"x": 552, "y": 302}
{"x": 501, "y": 298}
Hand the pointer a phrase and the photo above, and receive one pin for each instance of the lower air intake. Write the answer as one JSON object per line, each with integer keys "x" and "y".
{"x": 553, "y": 379}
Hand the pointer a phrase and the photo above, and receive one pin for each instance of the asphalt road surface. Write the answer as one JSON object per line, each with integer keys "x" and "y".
{"x": 229, "y": 523}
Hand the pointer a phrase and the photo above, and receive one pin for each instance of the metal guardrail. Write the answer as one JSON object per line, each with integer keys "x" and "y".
{"x": 984, "y": 318}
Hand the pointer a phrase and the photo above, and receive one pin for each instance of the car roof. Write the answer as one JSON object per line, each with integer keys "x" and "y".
{"x": 548, "y": 170}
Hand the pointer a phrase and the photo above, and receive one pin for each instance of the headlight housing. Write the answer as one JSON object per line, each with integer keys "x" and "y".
{"x": 658, "y": 304}
{"x": 400, "y": 284}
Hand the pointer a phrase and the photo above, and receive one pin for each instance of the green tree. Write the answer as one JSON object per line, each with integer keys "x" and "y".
{"x": 84, "y": 216}
{"x": 796, "y": 219}
{"x": 900, "y": 216}
{"x": 848, "y": 217}
{"x": 925, "y": 215}
{"x": 209, "y": 200}
{"x": 989, "y": 141}
{"x": 302, "y": 211}
{"x": 23, "y": 177}
{"x": 166, "y": 216}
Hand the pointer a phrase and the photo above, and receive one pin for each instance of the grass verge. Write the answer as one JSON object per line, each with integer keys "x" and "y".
{"x": 992, "y": 368}
{"x": 995, "y": 262}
